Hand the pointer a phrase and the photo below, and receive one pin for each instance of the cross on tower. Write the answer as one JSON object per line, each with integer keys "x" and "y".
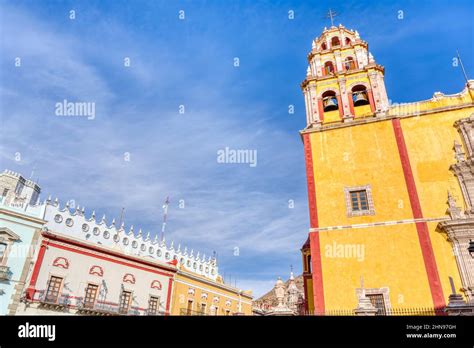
{"x": 331, "y": 14}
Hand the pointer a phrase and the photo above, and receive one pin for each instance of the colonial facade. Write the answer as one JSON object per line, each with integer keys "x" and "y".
{"x": 196, "y": 295}
{"x": 84, "y": 265}
{"x": 71, "y": 276}
{"x": 21, "y": 221}
{"x": 389, "y": 186}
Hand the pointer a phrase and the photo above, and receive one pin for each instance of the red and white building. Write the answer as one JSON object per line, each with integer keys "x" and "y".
{"x": 73, "y": 276}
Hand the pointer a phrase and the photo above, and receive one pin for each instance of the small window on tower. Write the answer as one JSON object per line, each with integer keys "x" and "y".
{"x": 348, "y": 41}
{"x": 335, "y": 41}
{"x": 328, "y": 68}
{"x": 359, "y": 201}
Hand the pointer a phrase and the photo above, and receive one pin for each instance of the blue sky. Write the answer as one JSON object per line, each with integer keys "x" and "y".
{"x": 190, "y": 62}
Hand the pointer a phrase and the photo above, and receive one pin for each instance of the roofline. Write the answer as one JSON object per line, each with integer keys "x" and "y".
{"x": 107, "y": 250}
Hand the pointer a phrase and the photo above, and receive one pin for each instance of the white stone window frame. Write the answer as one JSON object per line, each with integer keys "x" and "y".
{"x": 7, "y": 237}
{"x": 384, "y": 291}
{"x": 370, "y": 201}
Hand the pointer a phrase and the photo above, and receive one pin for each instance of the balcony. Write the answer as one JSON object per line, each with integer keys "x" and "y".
{"x": 5, "y": 273}
{"x": 189, "y": 312}
{"x": 60, "y": 303}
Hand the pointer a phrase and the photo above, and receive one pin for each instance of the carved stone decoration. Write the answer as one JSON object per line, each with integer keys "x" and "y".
{"x": 129, "y": 278}
{"x": 96, "y": 270}
{"x": 465, "y": 128}
{"x": 61, "y": 262}
{"x": 460, "y": 228}
{"x": 459, "y": 231}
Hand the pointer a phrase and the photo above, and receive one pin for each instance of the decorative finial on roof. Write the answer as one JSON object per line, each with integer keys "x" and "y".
{"x": 371, "y": 58}
{"x": 103, "y": 219}
{"x": 49, "y": 199}
{"x": 56, "y": 201}
{"x": 82, "y": 210}
{"x": 155, "y": 240}
{"x": 179, "y": 247}
{"x": 192, "y": 252}
{"x": 130, "y": 231}
{"x": 139, "y": 233}
{"x": 185, "y": 250}
{"x": 67, "y": 204}
{"x": 93, "y": 214}
{"x": 172, "y": 244}
{"x": 357, "y": 34}
{"x": 147, "y": 236}
{"x": 113, "y": 222}
{"x": 458, "y": 152}
{"x": 453, "y": 210}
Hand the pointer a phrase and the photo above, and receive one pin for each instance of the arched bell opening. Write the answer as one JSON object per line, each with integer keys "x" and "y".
{"x": 335, "y": 41}
{"x": 360, "y": 96}
{"x": 348, "y": 41}
{"x": 324, "y": 46}
{"x": 330, "y": 101}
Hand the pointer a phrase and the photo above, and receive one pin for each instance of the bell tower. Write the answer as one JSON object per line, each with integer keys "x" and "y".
{"x": 343, "y": 81}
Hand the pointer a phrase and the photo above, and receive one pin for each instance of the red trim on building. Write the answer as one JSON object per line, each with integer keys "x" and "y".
{"x": 168, "y": 301}
{"x": 102, "y": 250}
{"x": 371, "y": 100}
{"x": 317, "y": 272}
{"x": 351, "y": 105}
{"x": 83, "y": 252}
{"x": 321, "y": 109}
{"x": 316, "y": 266}
{"x": 421, "y": 227}
{"x": 30, "y": 292}
{"x": 339, "y": 105}
{"x": 313, "y": 215}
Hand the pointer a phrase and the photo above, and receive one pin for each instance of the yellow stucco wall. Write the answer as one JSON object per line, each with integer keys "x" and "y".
{"x": 368, "y": 154}
{"x": 181, "y": 295}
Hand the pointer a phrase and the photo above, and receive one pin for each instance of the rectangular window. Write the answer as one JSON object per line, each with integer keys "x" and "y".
{"x": 153, "y": 304}
{"x": 359, "y": 200}
{"x": 5, "y": 192}
{"x": 203, "y": 308}
{"x": 54, "y": 286}
{"x": 91, "y": 294}
{"x": 378, "y": 302}
{"x": 189, "y": 308}
{"x": 124, "y": 305}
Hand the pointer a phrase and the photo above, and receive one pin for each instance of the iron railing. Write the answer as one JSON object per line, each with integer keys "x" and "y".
{"x": 185, "y": 311}
{"x": 400, "y": 311}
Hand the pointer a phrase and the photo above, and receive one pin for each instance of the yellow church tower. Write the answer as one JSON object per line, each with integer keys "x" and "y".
{"x": 388, "y": 201}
